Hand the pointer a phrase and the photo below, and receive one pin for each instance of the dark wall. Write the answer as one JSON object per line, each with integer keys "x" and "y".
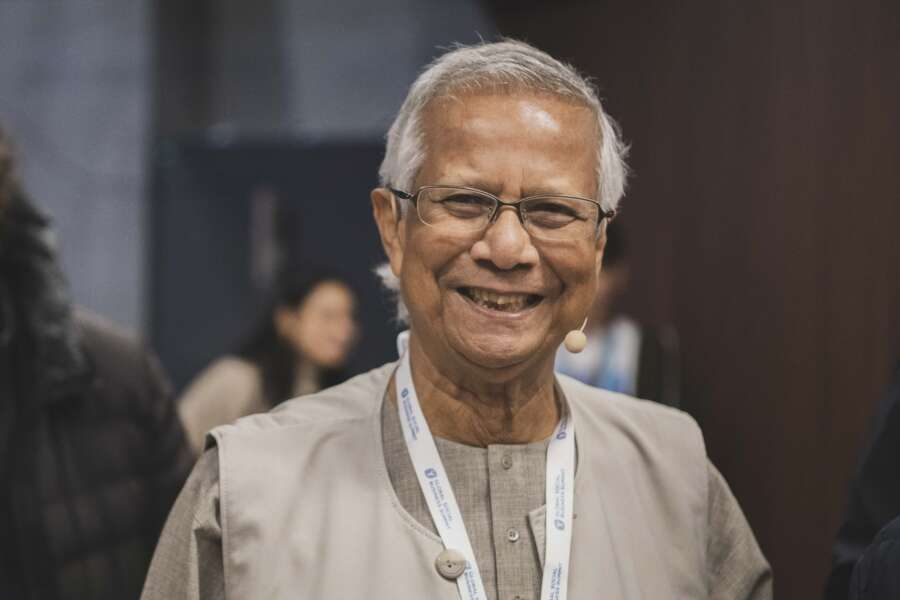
{"x": 763, "y": 220}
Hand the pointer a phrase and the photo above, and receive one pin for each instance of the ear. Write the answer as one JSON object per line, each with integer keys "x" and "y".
{"x": 386, "y": 210}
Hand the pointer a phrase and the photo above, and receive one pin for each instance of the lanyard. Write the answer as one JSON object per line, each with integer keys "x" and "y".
{"x": 445, "y": 511}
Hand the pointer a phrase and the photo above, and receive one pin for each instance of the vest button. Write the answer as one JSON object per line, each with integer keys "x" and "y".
{"x": 450, "y": 563}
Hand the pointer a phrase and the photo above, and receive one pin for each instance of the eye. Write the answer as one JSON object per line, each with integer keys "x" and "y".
{"x": 552, "y": 213}
{"x": 466, "y": 206}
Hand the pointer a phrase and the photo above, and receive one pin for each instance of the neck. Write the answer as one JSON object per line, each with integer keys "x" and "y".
{"x": 306, "y": 378}
{"x": 470, "y": 411}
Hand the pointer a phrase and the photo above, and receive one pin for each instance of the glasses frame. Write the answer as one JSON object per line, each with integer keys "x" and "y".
{"x": 609, "y": 215}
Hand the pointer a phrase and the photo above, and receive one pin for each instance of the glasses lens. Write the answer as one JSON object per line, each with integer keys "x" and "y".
{"x": 454, "y": 209}
{"x": 558, "y": 218}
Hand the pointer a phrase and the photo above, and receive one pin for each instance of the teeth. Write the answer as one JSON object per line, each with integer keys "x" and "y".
{"x": 505, "y": 302}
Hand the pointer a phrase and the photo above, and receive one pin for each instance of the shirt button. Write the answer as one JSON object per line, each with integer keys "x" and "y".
{"x": 512, "y": 535}
{"x": 450, "y": 563}
{"x": 506, "y": 461}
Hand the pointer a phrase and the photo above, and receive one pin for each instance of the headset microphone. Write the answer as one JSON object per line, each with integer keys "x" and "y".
{"x": 576, "y": 340}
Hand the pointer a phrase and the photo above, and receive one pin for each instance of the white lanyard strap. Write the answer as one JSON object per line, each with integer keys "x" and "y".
{"x": 445, "y": 511}
{"x": 433, "y": 478}
{"x": 560, "y": 494}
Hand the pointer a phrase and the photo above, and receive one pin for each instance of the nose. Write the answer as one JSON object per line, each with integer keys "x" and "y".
{"x": 505, "y": 243}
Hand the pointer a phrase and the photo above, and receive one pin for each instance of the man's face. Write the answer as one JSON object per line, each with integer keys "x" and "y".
{"x": 498, "y": 299}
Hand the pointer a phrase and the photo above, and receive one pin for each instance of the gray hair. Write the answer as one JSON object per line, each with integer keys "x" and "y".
{"x": 485, "y": 67}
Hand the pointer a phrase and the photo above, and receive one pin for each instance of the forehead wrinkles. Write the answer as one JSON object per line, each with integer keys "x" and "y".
{"x": 455, "y": 124}
{"x": 494, "y": 113}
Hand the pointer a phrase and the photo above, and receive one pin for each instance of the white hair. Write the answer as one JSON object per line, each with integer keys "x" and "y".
{"x": 508, "y": 64}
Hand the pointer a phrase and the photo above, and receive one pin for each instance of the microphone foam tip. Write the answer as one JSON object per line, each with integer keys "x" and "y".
{"x": 575, "y": 341}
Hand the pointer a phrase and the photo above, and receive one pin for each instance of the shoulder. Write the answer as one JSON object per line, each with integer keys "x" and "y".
{"x": 226, "y": 390}
{"x": 887, "y": 538}
{"x": 232, "y": 367}
{"x": 648, "y": 462}
{"x": 121, "y": 363}
{"x": 877, "y": 574}
{"x": 107, "y": 343}
{"x": 628, "y": 413}
{"x": 646, "y": 438}
{"x": 306, "y": 437}
{"x": 230, "y": 375}
{"x": 356, "y": 399}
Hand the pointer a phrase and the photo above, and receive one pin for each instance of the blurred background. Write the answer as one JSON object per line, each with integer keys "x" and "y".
{"x": 187, "y": 150}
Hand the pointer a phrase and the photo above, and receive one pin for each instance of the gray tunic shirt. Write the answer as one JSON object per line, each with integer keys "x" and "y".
{"x": 499, "y": 489}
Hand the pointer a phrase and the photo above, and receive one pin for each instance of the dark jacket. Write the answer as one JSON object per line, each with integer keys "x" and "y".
{"x": 92, "y": 454}
{"x": 877, "y": 574}
{"x": 874, "y": 498}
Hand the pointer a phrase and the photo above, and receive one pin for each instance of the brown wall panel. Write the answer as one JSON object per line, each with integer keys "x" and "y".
{"x": 763, "y": 218}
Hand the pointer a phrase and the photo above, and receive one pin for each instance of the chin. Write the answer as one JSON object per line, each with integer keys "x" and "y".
{"x": 329, "y": 362}
{"x": 497, "y": 352}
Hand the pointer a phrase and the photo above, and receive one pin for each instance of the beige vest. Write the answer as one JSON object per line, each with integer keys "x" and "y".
{"x": 308, "y": 511}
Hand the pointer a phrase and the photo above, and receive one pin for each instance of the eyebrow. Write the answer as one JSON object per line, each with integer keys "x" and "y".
{"x": 546, "y": 192}
{"x": 479, "y": 184}
{"x": 494, "y": 189}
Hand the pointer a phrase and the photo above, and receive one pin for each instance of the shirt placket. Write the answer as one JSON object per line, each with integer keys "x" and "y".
{"x": 512, "y": 472}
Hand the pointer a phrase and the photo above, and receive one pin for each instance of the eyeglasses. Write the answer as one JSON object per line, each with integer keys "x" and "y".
{"x": 468, "y": 210}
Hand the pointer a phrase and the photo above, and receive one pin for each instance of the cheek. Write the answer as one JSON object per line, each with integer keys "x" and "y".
{"x": 418, "y": 285}
{"x": 311, "y": 329}
{"x": 303, "y": 334}
{"x": 426, "y": 258}
{"x": 576, "y": 268}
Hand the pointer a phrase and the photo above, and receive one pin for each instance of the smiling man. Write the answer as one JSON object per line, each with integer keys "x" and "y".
{"x": 468, "y": 469}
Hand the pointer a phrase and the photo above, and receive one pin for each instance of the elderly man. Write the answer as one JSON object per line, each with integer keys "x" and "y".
{"x": 468, "y": 469}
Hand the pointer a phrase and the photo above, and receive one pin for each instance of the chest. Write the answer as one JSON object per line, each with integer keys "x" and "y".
{"x": 331, "y": 524}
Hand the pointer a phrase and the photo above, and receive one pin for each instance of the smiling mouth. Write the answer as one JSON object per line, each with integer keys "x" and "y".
{"x": 499, "y": 301}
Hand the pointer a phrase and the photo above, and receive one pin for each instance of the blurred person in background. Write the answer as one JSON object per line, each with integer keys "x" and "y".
{"x": 876, "y": 575}
{"x": 92, "y": 453}
{"x": 299, "y": 346}
{"x": 621, "y": 355}
{"x": 874, "y": 501}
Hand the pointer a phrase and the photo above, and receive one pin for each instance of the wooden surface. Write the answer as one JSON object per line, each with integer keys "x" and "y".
{"x": 763, "y": 222}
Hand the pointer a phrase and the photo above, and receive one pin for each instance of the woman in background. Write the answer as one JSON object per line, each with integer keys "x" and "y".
{"x": 298, "y": 347}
